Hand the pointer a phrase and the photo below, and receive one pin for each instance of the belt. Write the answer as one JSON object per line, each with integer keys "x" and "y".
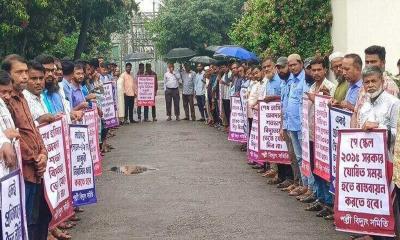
{"x": 172, "y": 88}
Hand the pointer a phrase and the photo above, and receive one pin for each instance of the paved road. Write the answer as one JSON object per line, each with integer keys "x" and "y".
{"x": 203, "y": 189}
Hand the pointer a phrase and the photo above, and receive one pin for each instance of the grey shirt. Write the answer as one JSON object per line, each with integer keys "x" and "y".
{"x": 188, "y": 82}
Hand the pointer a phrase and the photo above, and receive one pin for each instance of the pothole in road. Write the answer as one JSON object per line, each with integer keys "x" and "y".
{"x": 131, "y": 169}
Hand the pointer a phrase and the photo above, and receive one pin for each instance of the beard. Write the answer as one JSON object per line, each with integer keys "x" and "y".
{"x": 376, "y": 93}
{"x": 284, "y": 76}
{"x": 52, "y": 87}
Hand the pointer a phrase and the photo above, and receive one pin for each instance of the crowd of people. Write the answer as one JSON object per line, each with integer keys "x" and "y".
{"x": 367, "y": 90}
{"x": 37, "y": 92}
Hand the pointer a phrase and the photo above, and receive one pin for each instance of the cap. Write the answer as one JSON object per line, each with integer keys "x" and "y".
{"x": 294, "y": 56}
{"x": 307, "y": 62}
{"x": 335, "y": 55}
{"x": 282, "y": 61}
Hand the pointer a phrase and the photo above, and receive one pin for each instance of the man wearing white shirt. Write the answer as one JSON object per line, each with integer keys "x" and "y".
{"x": 32, "y": 93}
{"x": 200, "y": 90}
{"x": 171, "y": 88}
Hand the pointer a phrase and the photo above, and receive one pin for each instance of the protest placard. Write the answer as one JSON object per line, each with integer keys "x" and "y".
{"x": 91, "y": 119}
{"x": 108, "y": 106}
{"x": 272, "y": 148}
{"x": 243, "y": 103}
{"x": 321, "y": 137}
{"x": 56, "y": 176}
{"x": 83, "y": 185}
{"x": 237, "y": 122}
{"x": 12, "y": 217}
{"x": 338, "y": 119}
{"x": 146, "y": 91}
{"x": 363, "y": 202}
{"x": 254, "y": 141}
{"x": 305, "y": 141}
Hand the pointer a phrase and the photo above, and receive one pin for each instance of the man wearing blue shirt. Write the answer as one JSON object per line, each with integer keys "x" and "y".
{"x": 351, "y": 67}
{"x": 295, "y": 101}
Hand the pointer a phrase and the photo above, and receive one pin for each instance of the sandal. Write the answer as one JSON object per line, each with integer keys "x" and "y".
{"x": 50, "y": 236}
{"x": 57, "y": 233}
{"x": 65, "y": 225}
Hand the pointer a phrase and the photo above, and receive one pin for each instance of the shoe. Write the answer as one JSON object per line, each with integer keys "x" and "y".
{"x": 201, "y": 120}
{"x": 270, "y": 174}
{"x": 186, "y": 119}
{"x": 298, "y": 191}
{"x": 257, "y": 167}
{"x": 290, "y": 188}
{"x": 329, "y": 217}
{"x": 154, "y": 119}
{"x": 146, "y": 120}
{"x": 193, "y": 119}
{"x": 306, "y": 194}
{"x": 285, "y": 184}
{"x": 324, "y": 212}
{"x": 126, "y": 122}
{"x": 169, "y": 119}
{"x": 310, "y": 199}
{"x": 178, "y": 119}
{"x": 314, "y": 207}
{"x": 251, "y": 163}
{"x": 139, "y": 120}
{"x": 274, "y": 181}
{"x": 133, "y": 121}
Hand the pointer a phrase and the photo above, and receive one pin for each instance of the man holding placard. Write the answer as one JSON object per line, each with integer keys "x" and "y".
{"x": 321, "y": 86}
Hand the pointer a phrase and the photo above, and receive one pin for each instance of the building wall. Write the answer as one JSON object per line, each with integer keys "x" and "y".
{"x": 358, "y": 24}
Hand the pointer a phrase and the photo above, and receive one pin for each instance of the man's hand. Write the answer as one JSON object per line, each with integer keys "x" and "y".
{"x": 91, "y": 96}
{"x": 11, "y": 133}
{"x": 311, "y": 96}
{"x": 325, "y": 91}
{"x": 369, "y": 125}
{"x": 347, "y": 105}
{"x": 46, "y": 118}
{"x": 7, "y": 153}
{"x": 76, "y": 115}
{"x": 82, "y": 105}
{"x": 40, "y": 164}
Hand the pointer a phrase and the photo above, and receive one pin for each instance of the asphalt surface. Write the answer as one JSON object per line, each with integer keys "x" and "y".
{"x": 202, "y": 189}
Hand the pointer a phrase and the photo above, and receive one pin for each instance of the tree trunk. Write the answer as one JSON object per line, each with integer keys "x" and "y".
{"x": 81, "y": 46}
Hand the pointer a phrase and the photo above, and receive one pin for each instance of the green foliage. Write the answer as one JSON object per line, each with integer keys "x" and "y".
{"x": 195, "y": 24}
{"x": 36, "y": 26}
{"x": 281, "y": 27}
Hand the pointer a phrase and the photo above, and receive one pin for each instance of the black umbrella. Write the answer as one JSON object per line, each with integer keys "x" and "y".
{"x": 179, "y": 53}
{"x": 138, "y": 56}
{"x": 203, "y": 60}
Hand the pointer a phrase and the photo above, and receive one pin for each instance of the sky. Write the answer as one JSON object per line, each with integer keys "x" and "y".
{"x": 147, "y": 5}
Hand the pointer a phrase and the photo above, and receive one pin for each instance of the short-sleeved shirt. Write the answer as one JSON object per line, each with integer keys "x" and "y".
{"x": 67, "y": 88}
{"x": 352, "y": 92}
{"x": 199, "y": 85}
{"x": 285, "y": 86}
{"x": 273, "y": 87}
{"x": 188, "y": 82}
{"x": 76, "y": 96}
{"x": 295, "y": 101}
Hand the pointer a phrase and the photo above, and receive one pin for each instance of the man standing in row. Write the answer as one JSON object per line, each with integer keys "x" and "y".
{"x": 200, "y": 91}
{"x": 188, "y": 78}
{"x": 171, "y": 88}
{"x": 129, "y": 93}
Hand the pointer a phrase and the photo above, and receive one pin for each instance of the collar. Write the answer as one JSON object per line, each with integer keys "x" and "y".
{"x": 76, "y": 88}
{"x": 358, "y": 84}
{"x": 300, "y": 76}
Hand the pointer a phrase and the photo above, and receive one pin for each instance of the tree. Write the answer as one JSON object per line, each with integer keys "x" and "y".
{"x": 193, "y": 23}
{"x": 36, "y": 26}
{"x": 279, "y": 28}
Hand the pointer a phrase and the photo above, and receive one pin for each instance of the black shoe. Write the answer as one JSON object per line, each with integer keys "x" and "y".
{"x": 201, "y": 120}
{"x": 309, "y": 199}
{"x": 285, "y": 184}
{"x": 146, "y": 120}
{"x": 324, "y": 212}
{"x": 154, "y": 119}
{"x": 126, "y": 122}
{"x": 186, "y": 119}
{"x": 178, "y": 119}
{"x": 169, "y": 118}
{"x": 257, "y": 167}
{"x": 134, "y": 121}
{"x": 314, "y": 207}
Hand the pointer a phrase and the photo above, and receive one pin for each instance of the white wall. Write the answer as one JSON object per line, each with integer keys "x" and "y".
{"x": 358, "y": 24}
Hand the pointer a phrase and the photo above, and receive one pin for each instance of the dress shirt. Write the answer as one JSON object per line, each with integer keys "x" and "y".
{"x": 295, "y": 101}
{"x": 225, "y": 89}
{"x": 273, "y": 87}
{"x": 77, "y": 96}
{"x": 66, "y": 86}
{"x": 31, "y": 141}
{"x": 171, "y": 80}
{"x": 6, "y": 122}
{"x": 237, "y": 83}
{"x": 285, "y": 87}
{"x": 36, "y": 106}
{"x": 129, "y": 85}
{"x": 188, "y": 79}
{"x": 254, "y": 91}
{"x": 353, "y": 91}
{"x": 199, "y": 84}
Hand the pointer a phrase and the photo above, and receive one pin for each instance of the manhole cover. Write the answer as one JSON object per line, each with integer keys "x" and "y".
{"x": 130, "y": 169}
